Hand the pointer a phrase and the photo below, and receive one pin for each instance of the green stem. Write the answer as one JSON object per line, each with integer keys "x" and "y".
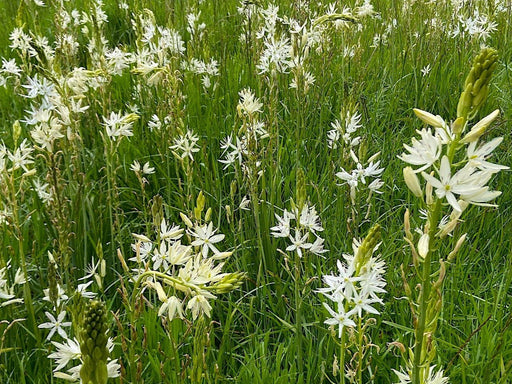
{"x": 420, "y": 353}
{"x": 298, "y": 312}
{"x": 342, "y": 356}
{"x": 360, "y": 352}
{"x": 27, "y": 294}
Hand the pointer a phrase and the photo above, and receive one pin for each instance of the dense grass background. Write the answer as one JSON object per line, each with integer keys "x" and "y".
{"x": 252, "y": 338}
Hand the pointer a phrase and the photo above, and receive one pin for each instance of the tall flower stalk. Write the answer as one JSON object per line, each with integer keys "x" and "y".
{"x": 453, "y": 163}
{"x": 354, "y": 292}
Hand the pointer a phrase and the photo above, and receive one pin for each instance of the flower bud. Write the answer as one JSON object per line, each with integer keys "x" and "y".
{"x": 412, "y": 181}
{"x": 458, "y": 125}
{"x": 430, "y": 119}
{"x": 16, "y": 131}
{"x": 300, "y": 189}
{"x": 453, "y": 253}
{"x": 423, "y": 245}
{"x": 476, "y": 86}
{"x": 93, "y": 344}
{"x": 480, "y": 127}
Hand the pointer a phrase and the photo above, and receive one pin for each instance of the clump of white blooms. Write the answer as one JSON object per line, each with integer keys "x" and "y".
{"x": 301, "y": 228}
{"x": 185, "y": 146}
{"x": 357, "y": 173}
{"x": 118, "y": 126}
{"x": 355, "y": 290}
{"x": 241, "y": 147}
{"x": 462, "y": 180}
{"x": 184, "y": 265}
{"x": 145, "y": 169}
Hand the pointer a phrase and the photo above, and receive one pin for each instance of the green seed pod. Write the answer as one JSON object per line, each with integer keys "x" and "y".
{"x": 476, "y": 86}
{"x": 93, "y": 344}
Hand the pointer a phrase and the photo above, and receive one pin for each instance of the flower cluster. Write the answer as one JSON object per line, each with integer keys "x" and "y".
{"x": 461, "y": 180}
{"x": 186, "y": 275}
{"x": 242, "y": 147}
{"x": 355, "y": 289}
{"x": 358, "y": 175}
{"x": 300, "y": 226}
{"x": 69, "y": 352}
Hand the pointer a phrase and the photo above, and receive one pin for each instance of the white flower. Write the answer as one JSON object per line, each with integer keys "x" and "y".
{"x": 55, "y": 325}
{"x": 187, "y": 145}
{"x": 170, "y": 234}
{"x": 119, "y": 126}
{"x": 82, "y": 289}
{"x": 199, "y": 304}
{"x": 66, "y": 351}
{"x": 425, "y": 70}
{"x": 317, "y": 248}
{"x": 477, "y": 156}
{"x": 249, "y": 104}
{"x": 146, "y": 169}
{"x": 340, "y": 286}
{"x": 341, "y": 318}
{"x": 204, "y": 236}
{"x": 464, "y": 182}
{"x": 282, "y": 229}
{"x": 424, "y": 152}
{"x": 299, "y": 243}
{"x": 310, "y": 220}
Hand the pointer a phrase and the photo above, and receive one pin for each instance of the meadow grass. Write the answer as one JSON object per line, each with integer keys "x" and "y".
{"x": 254, "y": 335}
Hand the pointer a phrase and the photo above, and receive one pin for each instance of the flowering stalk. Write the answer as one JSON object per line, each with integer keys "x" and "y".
{"x": 354, "y": 292}
{"x": 454, "y": 178}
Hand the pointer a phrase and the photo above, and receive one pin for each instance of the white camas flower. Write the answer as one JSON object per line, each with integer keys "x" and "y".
{"x": 467, "y": 182}
{"x": 146, "y": 169}
{"x": 307, "y": 225}
{"x": 69, "y": 351}
{"x": 248, "y": 103}
{"x": 185, "y": 146}
{"x": 55, "y": 325}
{"x": 299, "y": 242}
{"x": 340, "y": 318}
{"x": 433, "y": 377}
{"x": 424, "y": 152}
{"x": 66, "y": 352}
{"x": 205, "y": 237}
{"x": 118, "y": 126}
{"x": 354, "y": 293}
{"x": 477, "y": 157}
{"x": 199, "y": 304}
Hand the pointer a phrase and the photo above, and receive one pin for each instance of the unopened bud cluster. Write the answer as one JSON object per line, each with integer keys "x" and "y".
{"x": 93, "y": 344}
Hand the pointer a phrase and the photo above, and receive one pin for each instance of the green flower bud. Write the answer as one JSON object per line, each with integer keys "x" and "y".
{"x": 300, "y": 189}
{"x": 93, "y": 344}
{"x": 229, "y": 282}
{"x": 476, "y": 86}
{"x": 367, "y": 247}
{"x": 200, "y": 202}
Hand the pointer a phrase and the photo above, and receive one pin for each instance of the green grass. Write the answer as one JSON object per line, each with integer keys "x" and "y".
{"x": 253, "y": 338}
